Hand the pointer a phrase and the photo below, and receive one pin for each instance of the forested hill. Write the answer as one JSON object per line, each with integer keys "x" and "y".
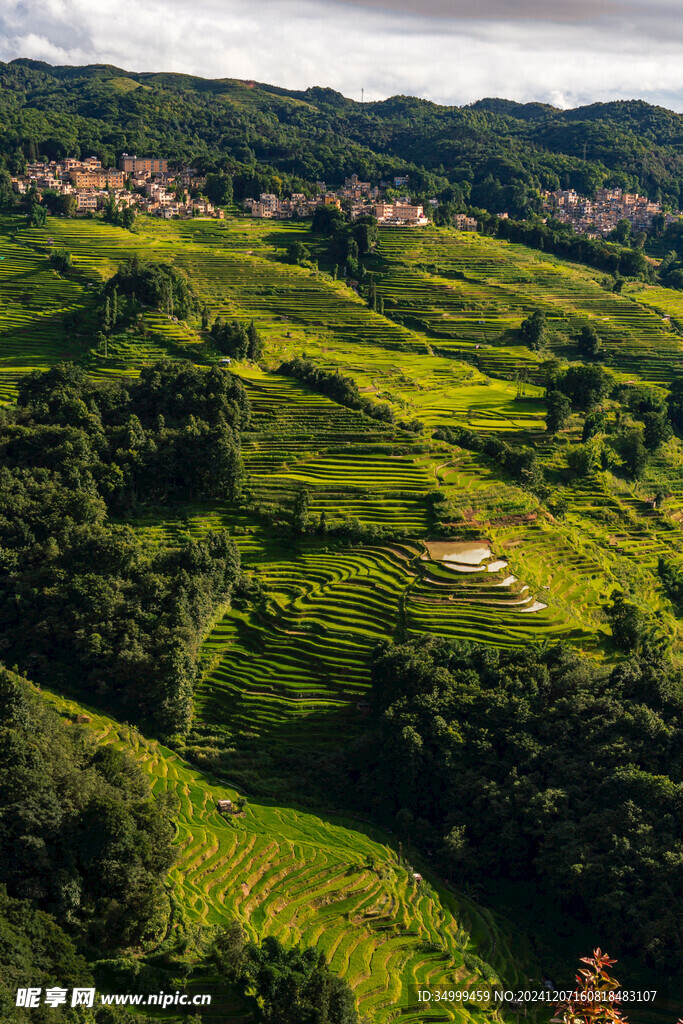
{"x": 493, "y": 154}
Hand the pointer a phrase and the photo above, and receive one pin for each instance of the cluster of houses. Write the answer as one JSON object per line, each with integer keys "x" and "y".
{"x": 600, "y": 216}
{"x": 147, "y": 185}
{"x": 360, "y": 198}
{"x": 144, "y": 183}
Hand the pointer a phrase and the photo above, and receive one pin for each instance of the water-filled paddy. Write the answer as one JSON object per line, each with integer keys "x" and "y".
{"x": 465, "y": 552}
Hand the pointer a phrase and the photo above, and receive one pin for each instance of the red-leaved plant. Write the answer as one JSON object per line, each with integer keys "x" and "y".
{"x": 596, "y": 999}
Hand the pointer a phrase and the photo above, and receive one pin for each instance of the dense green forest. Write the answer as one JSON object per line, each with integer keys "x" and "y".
{"x": 493, "y": 154}
{"x": 83, "y": 604}
{"x": 292, "y": 984}
{"x": 532, "y": 763}
{"x": 84, "y": 852}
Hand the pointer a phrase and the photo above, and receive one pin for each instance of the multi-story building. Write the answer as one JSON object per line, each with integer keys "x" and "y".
{"x": 400, "y": 214}
{"x": 101, "y": 178}
{"x": 267, "y": 206}
{"x": 87, "y": 201}
{"x": 263, "y": 211}
{"x": 269, "y": 201}
{"x": 464, "y": 223}
{"x": 145, "y": 164}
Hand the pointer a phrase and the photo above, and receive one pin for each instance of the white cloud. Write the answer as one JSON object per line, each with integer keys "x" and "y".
{"x": 577, "y": 53}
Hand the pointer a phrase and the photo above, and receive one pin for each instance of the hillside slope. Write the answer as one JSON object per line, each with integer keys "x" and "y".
{"x": 286, "y": 675}
{"x": 490, "y": 153}
{"x": 326, "y": 881}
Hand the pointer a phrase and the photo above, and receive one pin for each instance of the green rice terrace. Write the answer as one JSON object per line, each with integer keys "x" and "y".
{"x": 291, "y": 671}
{"x": 330, "y": 881}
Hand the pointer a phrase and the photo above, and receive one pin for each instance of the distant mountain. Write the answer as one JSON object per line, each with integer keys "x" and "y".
{"x": 522, "y": 111}
{"x": 494, "y": 153}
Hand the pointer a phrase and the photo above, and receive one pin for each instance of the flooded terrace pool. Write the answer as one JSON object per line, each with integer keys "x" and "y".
{"x": 466, "y": 552}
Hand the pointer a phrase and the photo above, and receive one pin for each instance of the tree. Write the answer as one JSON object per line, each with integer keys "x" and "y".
{"x": 631, "y": 448}
{"x": 60, "y": 203}
{"x": 62, "y": 261}
{"x": 455, "y": 847}
{"x": 622, "y": 232}
{"x": 111, "y": 211}
{"x": 372, "y": 294}
{"x": 297, "y": 253}
{"x": 674, "y": 402}
{"x": 629, "y": 625}
{"x": 127, "y": 219}
{"x": 670, "y": 571}
{"x": 587, "y": 386}
{"x": 632, "y": 263}
{"x": 229, "y": 950}
{"x": 328, "y": 220}
{"x": 535, "y": 331}
{"x": 364, "y": 232}
{"x": 549, "y": 750}
{"x": 6, "y": 192}
{"x": 37, "y": 215}
{"x": 300, "y": 511}
{"x": 294, "y": 985}
{"x": 584, "y": 459}
{"x": 589, "y": 343}
{"x": 219, "y": 188}
{"x": 233, "y": 339}
{"x": 160, "y": 285}
{"x": 593, "y": 424}
{"x": 559, "y": 411}
{"x": 255, "y": 343}
{"x": 95, "y": 844}
{"x": 170, "y": 435}
{"x": 657, "y": 430}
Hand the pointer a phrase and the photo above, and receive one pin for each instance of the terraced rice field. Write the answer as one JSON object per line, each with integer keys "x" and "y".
{"x": 35, "y": 302}
{"x": 294, "y": 671}
{"x": 325, "y": 881}
{"x": 471, "y": 293}
{"x": 461, "y": 289}
{"x": 291, "y": 671}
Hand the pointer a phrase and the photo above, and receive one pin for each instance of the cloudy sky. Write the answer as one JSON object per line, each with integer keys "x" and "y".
{"x": 564, "y": 52}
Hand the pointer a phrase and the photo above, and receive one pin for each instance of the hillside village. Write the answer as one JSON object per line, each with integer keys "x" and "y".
{"x": 360, "y": 198}
{"x": 148, "y": 185}
{"x": 142, "y": 183}
{"x": 600, "y": 216}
